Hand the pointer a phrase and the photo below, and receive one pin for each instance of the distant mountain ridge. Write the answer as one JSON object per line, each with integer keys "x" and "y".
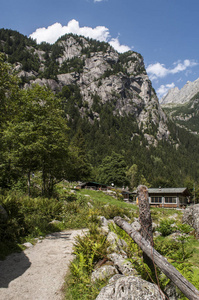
{"x": 176, "y": 96}
{"x": 186, "y": 115}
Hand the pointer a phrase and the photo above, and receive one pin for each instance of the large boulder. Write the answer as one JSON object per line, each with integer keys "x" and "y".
{"x": 131, "y": 288}
{"x": 191, "y": 217}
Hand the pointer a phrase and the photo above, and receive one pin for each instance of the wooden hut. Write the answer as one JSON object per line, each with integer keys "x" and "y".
{"x": 168, "y": 197}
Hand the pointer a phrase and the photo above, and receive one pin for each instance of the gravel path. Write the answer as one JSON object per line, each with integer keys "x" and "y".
{"x": 38, "y": 272}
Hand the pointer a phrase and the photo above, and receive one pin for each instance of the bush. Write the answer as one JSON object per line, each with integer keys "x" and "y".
{"x": 111, "y": 211}
{"x": 165, "y": 227}
{"x": 88, "y": 249}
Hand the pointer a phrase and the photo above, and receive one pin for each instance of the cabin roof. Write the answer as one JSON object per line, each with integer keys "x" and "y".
{"x": 91, "y": 183}
{"x": 168, "y": 191}
{"x": 161, "y": 191}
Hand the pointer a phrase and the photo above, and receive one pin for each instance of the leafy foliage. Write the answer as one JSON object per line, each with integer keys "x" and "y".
{"x": 112, "y": 170}
{"x": 36, "y": 138}
{"x": 165, "y": 227}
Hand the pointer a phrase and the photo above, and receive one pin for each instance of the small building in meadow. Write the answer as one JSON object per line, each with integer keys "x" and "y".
{"x": 126, "y": 195}
{"x": 92, "y": 186}
{"x": 168, "y": 197}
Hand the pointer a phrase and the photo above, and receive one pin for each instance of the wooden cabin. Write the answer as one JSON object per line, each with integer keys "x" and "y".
{"x": 168, "y": 197}
{"x": 126, "y": 195}
{"x": 92, "y": 186}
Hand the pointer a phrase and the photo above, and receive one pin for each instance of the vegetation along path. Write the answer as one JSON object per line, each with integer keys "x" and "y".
{"x": 38, "y": 272}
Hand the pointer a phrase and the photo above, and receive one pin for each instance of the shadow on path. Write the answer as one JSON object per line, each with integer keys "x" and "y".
{"x": 12, "y": 267}
{"x": 59, "y": 235}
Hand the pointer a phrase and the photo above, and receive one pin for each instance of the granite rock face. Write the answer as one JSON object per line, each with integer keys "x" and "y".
{"x": 119, "y": 79}
{"x": 176, "y": 96}
{"x": 131, "y": 288}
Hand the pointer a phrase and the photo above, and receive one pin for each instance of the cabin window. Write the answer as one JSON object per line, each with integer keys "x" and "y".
{"x": 156, "y": 199}
{"x": 170, "y": 200}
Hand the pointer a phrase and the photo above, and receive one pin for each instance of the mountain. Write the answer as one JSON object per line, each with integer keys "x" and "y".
{"x": 176, "y": 96}
{"x": 186, "y": 115}
{"x": 97, "y": 70}
{"x": 183, "y": 106}
{"x": 109, "y": 102}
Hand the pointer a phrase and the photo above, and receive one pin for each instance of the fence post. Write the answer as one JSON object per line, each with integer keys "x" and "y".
{"x": 145, "y": 222}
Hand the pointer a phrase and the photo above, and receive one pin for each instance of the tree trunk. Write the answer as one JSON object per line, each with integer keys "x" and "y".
{"x": 145, "y": 222}
{"x": 170, "y": 271}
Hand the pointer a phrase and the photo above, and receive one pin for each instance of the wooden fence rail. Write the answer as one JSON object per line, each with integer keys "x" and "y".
{"x": 170, "y": 271}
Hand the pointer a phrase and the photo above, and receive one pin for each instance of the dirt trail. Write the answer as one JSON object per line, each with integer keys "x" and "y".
{"x": 38, "y": 272}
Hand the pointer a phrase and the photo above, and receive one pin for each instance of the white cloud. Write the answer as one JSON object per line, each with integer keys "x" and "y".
{"x": 158, "y": 70}
{"x": 53, "y": 32}
{"x": 98, "y": 0}
{"x": 116, "y": 45}
{"x": 163, "y": 89}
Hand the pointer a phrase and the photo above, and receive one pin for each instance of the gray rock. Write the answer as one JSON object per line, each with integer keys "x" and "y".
{"x": 174, "y": 236}
{"x": 154, "y": 226}
{"x": 130, "y": 288}
{"x": 116, "y": 243}
{"x": 103, "y": 220}
{"x": 124, "y": 266}
{"x": 103, "y": 273}
{"x": 174, "y": 216}
{"x": 191, "y": 217}
{"x": 104, "y": 230}
{"x": 55, "y": 222}
{"x": 28, "y": 245}
{"x": 90, "y": 205}
{"x": 156, "y": 234}
{"x": 171, "y": 292}
{"x": 3, "y": 214}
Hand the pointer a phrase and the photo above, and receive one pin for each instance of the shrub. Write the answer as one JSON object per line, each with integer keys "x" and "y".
{"x": 165, "y": 227}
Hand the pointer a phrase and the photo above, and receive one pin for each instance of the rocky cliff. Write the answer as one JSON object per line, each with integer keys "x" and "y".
{"x": 97, "y": 69}
{"x": 176, "y": 96}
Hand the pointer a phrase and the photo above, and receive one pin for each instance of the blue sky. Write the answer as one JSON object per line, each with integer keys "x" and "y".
{"x": 164, "y": 32}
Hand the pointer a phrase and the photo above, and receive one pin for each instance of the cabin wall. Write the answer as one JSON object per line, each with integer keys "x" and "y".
{"x": 167, "y": 200}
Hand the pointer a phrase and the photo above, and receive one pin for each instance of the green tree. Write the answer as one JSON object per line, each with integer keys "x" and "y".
{"x": 79, "y": 164}
{"x": 9, "y": 94}
{"x": 143, "y": 181}
{"x": 133, "y": 176}
{"x": 9, "y": 91}
{"x": 36, "y": 139}
{"x": 113, "y": 170}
